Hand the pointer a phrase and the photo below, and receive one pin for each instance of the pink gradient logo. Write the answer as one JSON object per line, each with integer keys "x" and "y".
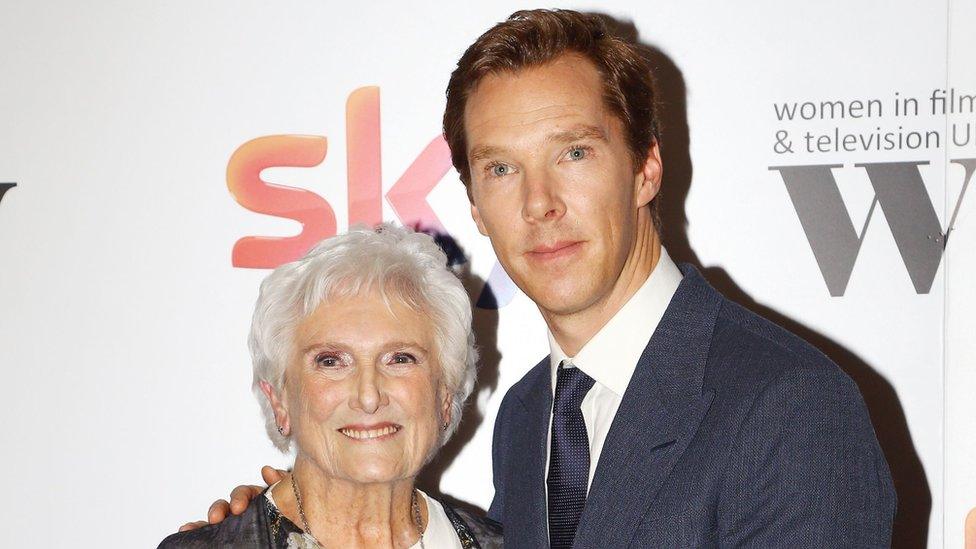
{"x": 407, "y": 196}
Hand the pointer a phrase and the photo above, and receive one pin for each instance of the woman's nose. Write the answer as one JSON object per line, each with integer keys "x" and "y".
{"x": 368, "y": 395}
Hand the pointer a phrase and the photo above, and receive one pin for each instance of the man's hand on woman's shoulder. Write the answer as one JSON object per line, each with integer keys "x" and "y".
{"x": 240, "y": 497}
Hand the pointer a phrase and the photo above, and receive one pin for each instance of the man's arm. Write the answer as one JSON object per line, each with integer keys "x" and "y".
{"x": 240, "y": 497}
{"x": 806, "y": 469}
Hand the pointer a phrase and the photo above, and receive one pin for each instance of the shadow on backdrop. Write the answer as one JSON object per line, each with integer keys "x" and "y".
{"x": 887, "y": 415}
{"x": 485, "y": 325}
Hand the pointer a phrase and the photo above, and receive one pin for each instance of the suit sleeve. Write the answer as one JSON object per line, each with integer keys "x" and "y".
{"x": 499, "y": 454}
{"x": 806, "y": 468}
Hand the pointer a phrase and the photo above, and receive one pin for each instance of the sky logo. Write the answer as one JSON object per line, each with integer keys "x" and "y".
{"x": 407, "y": 197}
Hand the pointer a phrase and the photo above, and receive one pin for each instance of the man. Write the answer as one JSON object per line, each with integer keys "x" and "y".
{"x": 666, "y": 415}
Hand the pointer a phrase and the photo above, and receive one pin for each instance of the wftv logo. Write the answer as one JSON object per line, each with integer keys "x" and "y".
{"x": 899, "y": 190}
{"x": 407, "y": 196}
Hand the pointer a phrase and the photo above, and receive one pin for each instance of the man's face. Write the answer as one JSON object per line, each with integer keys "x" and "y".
{"x": 553, "y": 183}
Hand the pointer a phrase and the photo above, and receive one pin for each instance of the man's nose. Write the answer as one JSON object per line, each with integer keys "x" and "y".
{"x": 541, "y": 200}
{"x": 369, "y": 394}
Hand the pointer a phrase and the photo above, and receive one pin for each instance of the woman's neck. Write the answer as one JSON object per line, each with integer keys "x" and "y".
{"x": 343, "y": 513}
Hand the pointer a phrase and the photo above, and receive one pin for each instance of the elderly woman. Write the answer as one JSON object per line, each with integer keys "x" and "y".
{"x": 363, "y": 356}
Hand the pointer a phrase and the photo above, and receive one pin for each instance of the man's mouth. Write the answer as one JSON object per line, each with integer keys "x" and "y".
{"x": 557, "y": 249}
{"x": 370, "y": 432}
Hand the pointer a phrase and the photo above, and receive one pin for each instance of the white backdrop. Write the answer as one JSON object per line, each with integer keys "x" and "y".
{"x": 123, "y": 321}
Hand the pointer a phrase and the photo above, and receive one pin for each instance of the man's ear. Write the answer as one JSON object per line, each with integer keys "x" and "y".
{"x": 648, "y": 179}
{"x": 278, "y": 407}
{"x": 476, "y": 215}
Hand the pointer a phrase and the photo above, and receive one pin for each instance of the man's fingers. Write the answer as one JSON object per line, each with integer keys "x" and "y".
{"x": 272, "y": 475}
{"x": 218, "y": 511}
{"x": 241, "y": 496}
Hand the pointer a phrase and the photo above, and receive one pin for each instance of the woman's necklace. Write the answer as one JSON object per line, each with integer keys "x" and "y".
{"x": 414, "y": 507}
{"x": 417, "y": 521}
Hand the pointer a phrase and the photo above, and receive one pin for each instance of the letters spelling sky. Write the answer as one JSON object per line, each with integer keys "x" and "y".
{"x": 407, "y": 196}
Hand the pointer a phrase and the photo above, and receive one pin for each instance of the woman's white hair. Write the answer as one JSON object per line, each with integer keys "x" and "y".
{"x": 398, "y": 263}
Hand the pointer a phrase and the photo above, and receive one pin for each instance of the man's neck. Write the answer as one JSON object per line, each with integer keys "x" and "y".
{"x": 572, "y": 331}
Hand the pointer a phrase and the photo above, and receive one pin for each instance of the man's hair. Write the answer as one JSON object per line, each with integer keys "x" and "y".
{"x": 401, "y": 266}
{"x": 535, "y": 37}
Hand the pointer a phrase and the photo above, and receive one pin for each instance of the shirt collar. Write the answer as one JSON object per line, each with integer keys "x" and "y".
{"x": 611, "y": 355}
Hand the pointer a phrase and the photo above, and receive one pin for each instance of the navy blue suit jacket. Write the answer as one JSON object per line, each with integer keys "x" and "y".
{"x": 732, "y": 433}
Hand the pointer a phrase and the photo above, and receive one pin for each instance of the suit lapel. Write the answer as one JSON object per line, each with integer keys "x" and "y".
{"x": 525, "y": 517}
{"x": 658, "y": 416}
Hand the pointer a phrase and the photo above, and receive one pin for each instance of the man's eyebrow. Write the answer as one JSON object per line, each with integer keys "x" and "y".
{"x": 482, "y": 152}
{"x": 578, "y": 133}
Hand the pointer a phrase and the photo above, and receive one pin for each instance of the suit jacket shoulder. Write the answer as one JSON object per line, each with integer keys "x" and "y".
{"x": 799, "y": 447}
{"x": 746, "y": 345}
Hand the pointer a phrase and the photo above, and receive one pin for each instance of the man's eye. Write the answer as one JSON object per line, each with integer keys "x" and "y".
{"x": 577, "y": 153}
{"x": 499, "y": 170}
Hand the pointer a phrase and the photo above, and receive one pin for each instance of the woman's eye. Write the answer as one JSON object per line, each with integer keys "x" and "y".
{"x": 577, "y": 153}
{"x": 404, "y": 358}
{"x": 327, "y": 361}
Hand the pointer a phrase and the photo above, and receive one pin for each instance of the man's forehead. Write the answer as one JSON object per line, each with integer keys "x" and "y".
{"x": 549, "y": 102}
{"x": 556, "y": 117}
{"x": 571, "y": 82}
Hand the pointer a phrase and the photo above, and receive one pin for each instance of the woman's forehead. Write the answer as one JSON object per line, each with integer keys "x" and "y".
{"x": 365, "y": 320}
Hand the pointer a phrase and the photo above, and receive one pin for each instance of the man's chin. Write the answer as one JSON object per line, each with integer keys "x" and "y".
{"x": 560, "y": 300}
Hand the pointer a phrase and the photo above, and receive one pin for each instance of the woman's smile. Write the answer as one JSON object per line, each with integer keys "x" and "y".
{"x": 371, "y": 433}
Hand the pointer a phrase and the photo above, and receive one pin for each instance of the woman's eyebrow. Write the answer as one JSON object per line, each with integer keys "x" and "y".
{"x": 323, "y": 345}
{"x": 405, "y": 344}
{"x": 332, "y": 346}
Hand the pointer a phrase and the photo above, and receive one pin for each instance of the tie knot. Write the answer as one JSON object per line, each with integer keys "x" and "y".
{"x": 572, "y": 384}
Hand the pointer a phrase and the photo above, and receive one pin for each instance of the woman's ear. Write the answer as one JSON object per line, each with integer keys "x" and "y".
{"x": 447, "y": 400}
{"x": 278, "y": 407}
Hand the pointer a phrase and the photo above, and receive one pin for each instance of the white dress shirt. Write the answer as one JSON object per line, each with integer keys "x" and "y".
{"x": 610, "y": 357}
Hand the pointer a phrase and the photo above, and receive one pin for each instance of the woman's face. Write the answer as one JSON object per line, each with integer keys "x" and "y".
{"x": 363, "y": 394}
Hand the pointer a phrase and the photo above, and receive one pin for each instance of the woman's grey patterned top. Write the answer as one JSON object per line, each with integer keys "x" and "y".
{"x": 262, "y": 525}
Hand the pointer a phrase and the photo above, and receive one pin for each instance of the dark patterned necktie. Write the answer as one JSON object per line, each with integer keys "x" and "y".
{"x": 569, "y": 457}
